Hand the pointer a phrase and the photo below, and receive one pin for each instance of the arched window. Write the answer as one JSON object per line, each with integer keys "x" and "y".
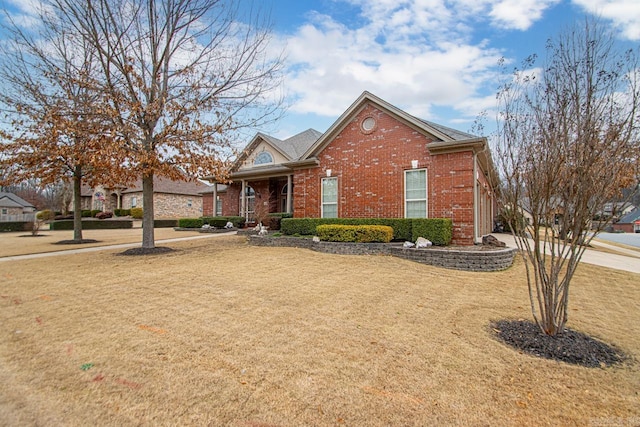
{"x": 263, "y": 158}
{"x": 283, "y": 198}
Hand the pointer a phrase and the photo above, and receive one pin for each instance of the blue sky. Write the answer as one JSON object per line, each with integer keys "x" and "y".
{"x": 436, "y": 59}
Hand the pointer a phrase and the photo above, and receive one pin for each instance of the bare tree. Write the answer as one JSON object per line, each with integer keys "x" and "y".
{"x": 567, "y": 143}
{"x": 58, "y": 129}
{"x": 180, "y": 79}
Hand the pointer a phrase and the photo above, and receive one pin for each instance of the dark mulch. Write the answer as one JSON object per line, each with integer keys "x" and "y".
{"x": 571, "y": 346}
{"x": 76, "y": 242}
{"x": 31, "y": 235}
{"x": 147, "y": 251}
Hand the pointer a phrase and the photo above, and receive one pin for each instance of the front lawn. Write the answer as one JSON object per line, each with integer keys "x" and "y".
{"x": 222, "y": 333}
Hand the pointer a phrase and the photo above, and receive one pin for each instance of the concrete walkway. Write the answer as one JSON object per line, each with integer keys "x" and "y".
{"x": 629, "y": 263}
{"x": 109, "y": 247}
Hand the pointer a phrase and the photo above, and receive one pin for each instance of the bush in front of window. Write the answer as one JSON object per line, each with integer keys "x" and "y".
{"x": 438, "y": 230}
{"x": 221, "y": 221}
{"x": 136, "y": 213}
{"x": 355, "y": 233}
{"x": 307, "y": 226}
{"x": 190, "y": 222}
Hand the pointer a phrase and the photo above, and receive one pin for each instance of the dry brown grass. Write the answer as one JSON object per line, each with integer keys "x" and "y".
{"x": 21, "y": 243}
{"x": 221, "y": 333}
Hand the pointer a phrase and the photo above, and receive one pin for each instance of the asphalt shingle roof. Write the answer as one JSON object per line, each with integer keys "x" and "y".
{"x": 11, "y": 200}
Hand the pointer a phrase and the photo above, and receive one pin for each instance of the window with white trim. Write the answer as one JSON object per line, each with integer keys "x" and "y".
{"x": 218, "y": 207}
{"x": 134, "y": 202}
{"x": 264, "y": 158}
{"x": 415, "y": 193}
{"x": 329, "y": 197}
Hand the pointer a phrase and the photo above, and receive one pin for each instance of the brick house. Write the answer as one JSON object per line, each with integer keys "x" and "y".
{"x": 171, "y": 199}
{"x": 375, "y": 161}
{"x": 14, "y": 208}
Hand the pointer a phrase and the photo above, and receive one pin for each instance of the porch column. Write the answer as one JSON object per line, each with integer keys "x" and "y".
{"x": 215, "y": 199}
{"x": 243, "y": 201}
{"x": 289, "y": 193}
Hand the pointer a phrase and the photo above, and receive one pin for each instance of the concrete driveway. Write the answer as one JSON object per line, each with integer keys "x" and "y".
{"x": 630, "y": 261}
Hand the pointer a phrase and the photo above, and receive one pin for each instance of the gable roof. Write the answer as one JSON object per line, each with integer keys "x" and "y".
{"x": 166, "y": 185}
{"x": 291, "y": 148}
{"x": 10, "y": 200}
{"x": 441, "y": 133}
{"x": 631, "y": 217}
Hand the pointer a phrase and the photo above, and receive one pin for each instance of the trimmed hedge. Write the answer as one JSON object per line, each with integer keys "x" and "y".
{"x": 307, "y": 226}
{"x": 355, "y": 233}
{"x": 122, "y": 212}
{"x": 95, "y": 212}
{"x": 221, "y": 221}
{"x": 165, "y": 223}
{"x": 85, "y": 213}
{"x": 438, "y": 230}
{"x": 16, "y": 226}
{"x": 92, "y": 225}
{"x": 190, "y": 223}
{"x": 45, "y": 215}
{"x": 275, "y": 220}
{"x": 136, "y": 213}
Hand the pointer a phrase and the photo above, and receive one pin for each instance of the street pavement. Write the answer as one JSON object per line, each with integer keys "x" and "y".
{"x": 628, "y": 262}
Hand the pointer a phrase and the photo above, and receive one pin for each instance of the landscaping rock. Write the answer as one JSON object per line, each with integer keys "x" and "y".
{"x": 423, "y": 243}
{"x": 490, "y": 240}
{"x": 316, "y": 239}
{"x": 408, "y": 245}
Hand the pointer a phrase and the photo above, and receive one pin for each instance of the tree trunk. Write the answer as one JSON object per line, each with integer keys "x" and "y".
{"x": 148, "y": 238}
{"x": 77, "y": 204}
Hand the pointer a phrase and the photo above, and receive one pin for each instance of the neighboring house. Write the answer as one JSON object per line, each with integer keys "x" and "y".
{"x": 630, "y": 223}
{"x": 617, "y": 209}
{"x": 14, "y": 208}
{"x": 375, "y": 161}
{"x": 171, "y": 199}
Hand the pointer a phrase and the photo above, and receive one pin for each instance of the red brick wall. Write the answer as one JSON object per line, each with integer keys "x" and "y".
{"x": 370, "y": 170}
{"x": 207, "y": 204}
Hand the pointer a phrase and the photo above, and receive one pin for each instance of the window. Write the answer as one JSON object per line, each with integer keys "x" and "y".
{"x": 218, "y": 207}
{"x": 263, "y": 158}
{"x": 283, "y": 202}
{"x": 189, "y": 203}
{"x": 250, "y": 206}
{"x": 329, "y": 197}
{"x": 415, "y": 196}
{"x": 5, "y": 211}
{"x": 134, "y": 202}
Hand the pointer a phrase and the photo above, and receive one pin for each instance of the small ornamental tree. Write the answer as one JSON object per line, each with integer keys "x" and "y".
{"x": 568, "y": 143}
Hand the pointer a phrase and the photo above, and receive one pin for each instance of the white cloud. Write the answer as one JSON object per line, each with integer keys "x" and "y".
{"x": 518, "y": 14}
{"x": 625, "y": 14}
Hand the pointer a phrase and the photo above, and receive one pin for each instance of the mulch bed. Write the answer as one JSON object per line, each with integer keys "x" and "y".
{"x": 147, "y": 251}
{"x": 571, "y": 346}
{"x": 76, "y": 242}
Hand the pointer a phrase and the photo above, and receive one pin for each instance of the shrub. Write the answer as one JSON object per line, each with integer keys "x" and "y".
{"x": 104, "y": 215}
{"x": 165, "y": 223}
{"x": 45, "y": 215}
{"x": 95, "y": 212}
{"x": 221, "y": 221}
{"x": 92, "y": 225}
{"x": 136, "y": 213}
{"x": 438, "y": 230}
{"x": 355, "y": 233}
{"x": 122, "y": 212}
{"x": 16, "y": 226}
{"x": 275, "y": 220}
{"x": 85, "y": 213}
{"x": 307, "y": 226}
{"x": 190, "y": 222}
{"x": 61, "y": 217}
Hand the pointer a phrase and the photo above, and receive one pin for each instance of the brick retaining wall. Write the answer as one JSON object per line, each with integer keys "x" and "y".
{"x": 471, "y": 260}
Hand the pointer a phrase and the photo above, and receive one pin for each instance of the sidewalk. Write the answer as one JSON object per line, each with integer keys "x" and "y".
{"x": 629, "y": 263}
{"x": 109, "y": 247}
